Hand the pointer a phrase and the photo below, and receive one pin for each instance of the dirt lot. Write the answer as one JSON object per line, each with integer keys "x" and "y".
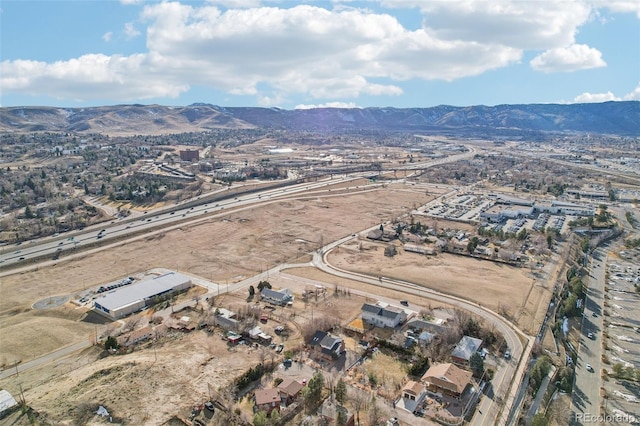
{"x": 224, "y": 249}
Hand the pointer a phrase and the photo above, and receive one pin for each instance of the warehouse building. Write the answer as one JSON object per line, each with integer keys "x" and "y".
{"x": 124, "y": 301}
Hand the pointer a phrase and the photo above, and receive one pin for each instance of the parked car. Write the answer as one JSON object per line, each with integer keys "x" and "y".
{"x": 591, "y": 336}
{"x": 280, "y": 348}
{"x": 209, "y": 406}
{"x": 589, "y": 368}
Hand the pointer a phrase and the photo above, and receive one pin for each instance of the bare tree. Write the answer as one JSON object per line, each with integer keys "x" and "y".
{"x": 375, "y": 414}
{"x": 131, "y": 322}
{"x": 359, "y": 400}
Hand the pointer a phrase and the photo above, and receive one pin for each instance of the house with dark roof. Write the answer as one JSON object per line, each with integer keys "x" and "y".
{"x": 280, "y": 297}
{"x": 466, "y": 347}
{"x": 383, "y": 316}
{"x": 447, "y": 378}
{"x": 326, "y": 345}
{"x": 267, "y": 400}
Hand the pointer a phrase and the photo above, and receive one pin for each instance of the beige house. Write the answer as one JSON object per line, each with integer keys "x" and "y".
{"x": 447, "y": 378}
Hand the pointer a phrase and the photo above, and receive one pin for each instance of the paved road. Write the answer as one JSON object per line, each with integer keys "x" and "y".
{"x": 45, "y": 358}
{"x": 585, "y": 398}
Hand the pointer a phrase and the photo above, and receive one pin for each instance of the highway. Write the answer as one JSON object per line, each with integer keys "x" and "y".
{"x": 121, "y": 228}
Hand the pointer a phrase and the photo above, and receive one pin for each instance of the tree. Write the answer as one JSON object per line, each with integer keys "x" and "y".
{"x": 28, "y": 213}
{"x": 260, "y": 419}
{"x": 312, "y": 393}
{"x": 359, "y": 401}
{"x": 341, "y": 391}
{"x": 252, "y": 291}
{"x": 473, "y": 243}
{"x": 263, "y": 284}
{"x": 477, "y": 364}
{"x": 539, "y": 420}
{"x": 111, "y": 343}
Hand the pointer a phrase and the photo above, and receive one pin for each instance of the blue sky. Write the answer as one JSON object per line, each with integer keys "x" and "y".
{"x": 288, "y": 54}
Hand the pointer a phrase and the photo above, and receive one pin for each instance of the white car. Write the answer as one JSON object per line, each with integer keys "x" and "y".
{"x": 589, "y": 368}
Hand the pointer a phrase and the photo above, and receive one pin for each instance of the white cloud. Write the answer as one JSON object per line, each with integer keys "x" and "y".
{"x": 566, "y": 59}
{"x": 90, "y": 77}
{"x": 107, "y": 36}
{"x": 127, "y": 2}
{"x": 328, "y": 105}
{"x": 622, "y": 6}
{"x": 310, "y": 50}
{"x": 130, "y": 31}
{"x": 519, "y": 24}
{"x": 634, "y": 95}
{"x": 587, "y": 97}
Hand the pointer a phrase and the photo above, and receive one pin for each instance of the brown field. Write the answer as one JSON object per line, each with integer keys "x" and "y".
{"x": 225, "y": 249}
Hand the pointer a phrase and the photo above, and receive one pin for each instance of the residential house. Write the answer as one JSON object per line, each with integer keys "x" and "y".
{"x": 280, "y": 297}
{"x": 447, "y": 378}
{"x": 136, "y": 336}
{"x": 328, "y": 346}
{"x": 413, "y": 395}
{"x": 267, "y": 400}
{"x": 383, "y": 316}
{"x": 466, "y": 347}
{"x": 289, "y": 390}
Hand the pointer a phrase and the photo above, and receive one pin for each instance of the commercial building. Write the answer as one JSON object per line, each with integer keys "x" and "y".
{"x": 124, "y": 301}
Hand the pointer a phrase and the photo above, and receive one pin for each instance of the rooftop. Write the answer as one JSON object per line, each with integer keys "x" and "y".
{"x": 140, "y": 291}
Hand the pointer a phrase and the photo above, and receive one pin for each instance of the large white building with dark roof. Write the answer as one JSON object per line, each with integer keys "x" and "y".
{"x": 124, "y": 301}
{"x": 383, "y": 316}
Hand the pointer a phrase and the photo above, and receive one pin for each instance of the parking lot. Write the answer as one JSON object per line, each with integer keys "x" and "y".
{"x": 622, "y": 340}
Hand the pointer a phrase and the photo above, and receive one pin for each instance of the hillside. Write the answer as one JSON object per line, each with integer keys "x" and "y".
{"x": 618, "y": 118}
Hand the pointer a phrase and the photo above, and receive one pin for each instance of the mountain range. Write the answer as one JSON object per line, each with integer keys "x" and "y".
{"x": 613, "y": 118}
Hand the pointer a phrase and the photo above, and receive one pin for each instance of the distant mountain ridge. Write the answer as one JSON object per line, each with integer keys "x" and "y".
{"x": 617, "y": 118}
